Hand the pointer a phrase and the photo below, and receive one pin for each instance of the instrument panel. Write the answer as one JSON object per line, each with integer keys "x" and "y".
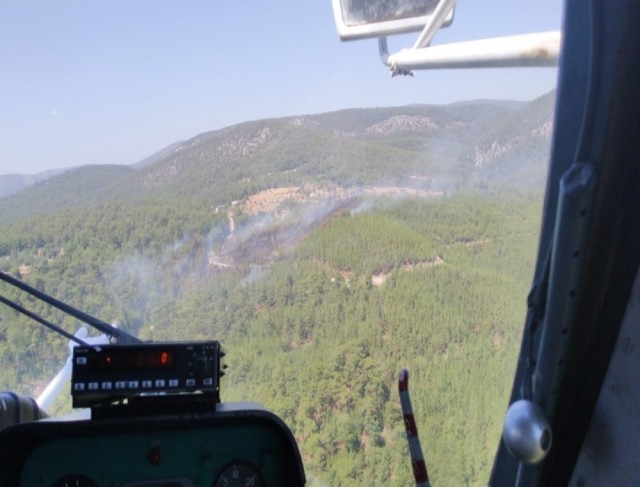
{"x": 104, "y": 373}
{"x": 235, "y": 446}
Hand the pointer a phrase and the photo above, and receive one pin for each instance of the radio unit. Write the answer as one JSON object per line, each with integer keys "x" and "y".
{"x": 107, "y": 373}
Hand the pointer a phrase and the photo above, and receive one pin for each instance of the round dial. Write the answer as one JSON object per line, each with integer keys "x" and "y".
{"x": 74, "y": 480}
{"x": 239, "y": 473}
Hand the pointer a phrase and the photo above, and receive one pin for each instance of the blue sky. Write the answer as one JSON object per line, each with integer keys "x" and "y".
{"x": 111, "y": 82}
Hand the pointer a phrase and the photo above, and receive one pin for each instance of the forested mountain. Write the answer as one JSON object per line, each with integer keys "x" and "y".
{"x": 80, "y": 188}
{"x": 326, "y": 252}
{"x": 13, "y": 183}
{"x": 441, "y": 147}
{"x": 158, "y": 156}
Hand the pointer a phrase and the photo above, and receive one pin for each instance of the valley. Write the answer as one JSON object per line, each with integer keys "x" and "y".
{"x": 325, "y": 252}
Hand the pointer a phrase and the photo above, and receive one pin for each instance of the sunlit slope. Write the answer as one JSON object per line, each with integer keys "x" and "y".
{"x": 13, "y": 183}
{"x": 517, "y": 148}
{"x": 83, "y": 187}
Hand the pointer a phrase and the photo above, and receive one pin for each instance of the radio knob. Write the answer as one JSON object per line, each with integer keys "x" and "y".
{"x": 202, "y": 365}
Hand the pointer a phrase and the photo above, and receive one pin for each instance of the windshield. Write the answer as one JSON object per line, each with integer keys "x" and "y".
{"x": 229, "y": 170}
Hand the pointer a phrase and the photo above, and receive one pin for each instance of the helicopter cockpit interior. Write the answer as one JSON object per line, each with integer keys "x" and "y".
{"x": 152, "y": 413}
{"x": 147, "y": 414}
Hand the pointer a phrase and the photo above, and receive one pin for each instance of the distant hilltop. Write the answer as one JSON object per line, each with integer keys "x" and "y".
{"x": 13, "y": 183}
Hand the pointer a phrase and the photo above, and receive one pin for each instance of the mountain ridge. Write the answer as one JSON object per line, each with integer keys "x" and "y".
{"x": 11, "y": 184}
{"x": 440, "y": 144}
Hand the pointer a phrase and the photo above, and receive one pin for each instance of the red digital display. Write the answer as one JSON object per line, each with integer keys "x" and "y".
{"x": 131, "y": 360}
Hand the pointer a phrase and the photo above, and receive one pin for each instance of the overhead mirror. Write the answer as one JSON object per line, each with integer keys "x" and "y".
{"x": 361, "y": 19}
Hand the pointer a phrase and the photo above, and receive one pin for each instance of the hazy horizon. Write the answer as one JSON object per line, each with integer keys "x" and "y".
{"x": 177, "y": 142}
{"x": 114, "y": 82}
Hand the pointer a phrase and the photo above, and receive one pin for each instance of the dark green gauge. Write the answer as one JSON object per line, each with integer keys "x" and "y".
{"x": 74, "y": 480}
{"x": 239, "y": 473}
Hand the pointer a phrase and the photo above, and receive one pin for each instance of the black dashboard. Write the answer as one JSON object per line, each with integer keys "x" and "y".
{"x": 240, "y": 444}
